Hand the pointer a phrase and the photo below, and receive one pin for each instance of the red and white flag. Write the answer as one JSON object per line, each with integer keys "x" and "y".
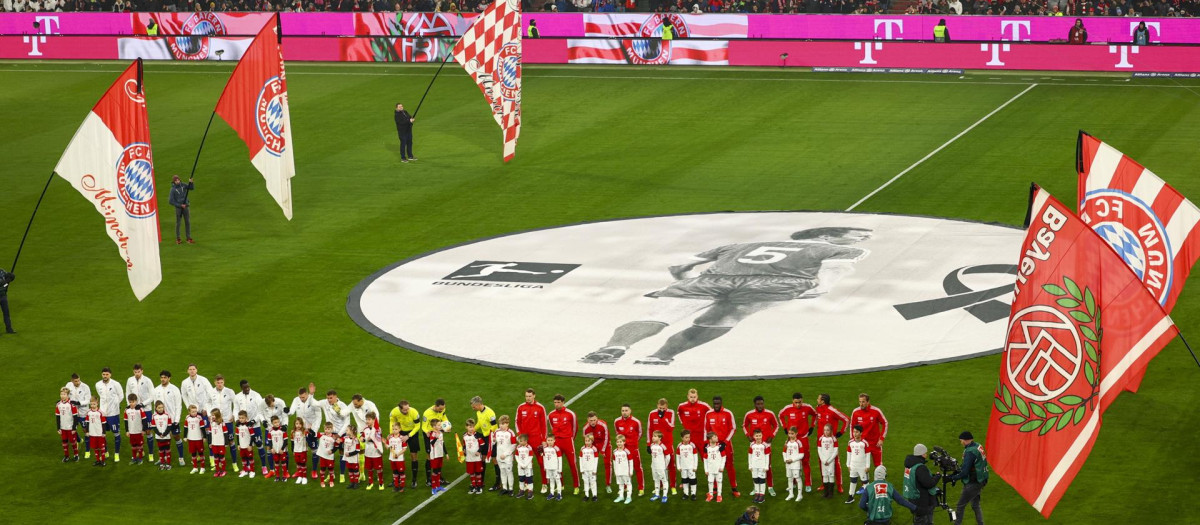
{"x": 490, "y": 51}
{"x": 109, "y": 162}
{"x": 1081, "y": 328}
{"x": 636, "y": 39}
{"x": 255, "y": 105}
{"x": 1150, "y": 225}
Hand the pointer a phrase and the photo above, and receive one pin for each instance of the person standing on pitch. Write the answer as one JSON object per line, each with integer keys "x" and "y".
{"x": 6, "y": 278}
{"x": 404, "y": 125}
{"x": 973, "y": 472}
{"x": 183, "y": 210}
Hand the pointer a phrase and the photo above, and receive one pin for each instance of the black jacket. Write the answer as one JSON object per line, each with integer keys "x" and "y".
{"x": 745, "y": 520}
{"x": 5, "y": 278}
{"x": 403, "y": 122}
{"x": 925, "y": 481}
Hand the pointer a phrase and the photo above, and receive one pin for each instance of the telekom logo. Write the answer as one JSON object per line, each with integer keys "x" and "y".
{"x": 1124, "y": 51}
{"x": 49, "y": 26}
{"x": 1010, "y": 31}
{"x": 889, "y": 24}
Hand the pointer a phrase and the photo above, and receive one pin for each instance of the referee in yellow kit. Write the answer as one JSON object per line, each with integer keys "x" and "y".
{"x": 437, "y": 411}
{"x": 485, "y": 423}
{"x": 409, "y": 421}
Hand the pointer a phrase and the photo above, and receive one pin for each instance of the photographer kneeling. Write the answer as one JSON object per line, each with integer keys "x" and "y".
{"x": 920, "y": 486}
{"x": 878, "y": 497}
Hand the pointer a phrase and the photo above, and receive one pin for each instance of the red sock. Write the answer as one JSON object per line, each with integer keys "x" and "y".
{"x": 65, "y": 449}
{"x": 437, "y": 480}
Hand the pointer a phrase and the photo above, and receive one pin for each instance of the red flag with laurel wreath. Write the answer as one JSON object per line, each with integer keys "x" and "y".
{"x": 1081, "y": 327}
{"x": 490, "y": 51}
{"x": 1149, "y": 224}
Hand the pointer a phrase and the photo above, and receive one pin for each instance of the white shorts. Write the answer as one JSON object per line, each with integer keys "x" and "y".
{"x": 525, "y": 471}
{"x": 859, "y": 471}
{"x": 758, "y": 472}
{"x": 659, "y": 473}
{"x": 623, "y": 480}
{"x": 505, "y": 465}
{"x": 793, "y": 472}
{"x": 687, "y": 473}
{"x": 588, "y": 473}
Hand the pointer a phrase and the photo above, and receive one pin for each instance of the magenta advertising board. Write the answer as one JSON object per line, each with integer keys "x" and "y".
{"x": 577, "y": 25}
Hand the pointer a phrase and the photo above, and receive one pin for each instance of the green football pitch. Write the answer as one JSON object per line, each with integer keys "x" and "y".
{"x": 265, "y": 299}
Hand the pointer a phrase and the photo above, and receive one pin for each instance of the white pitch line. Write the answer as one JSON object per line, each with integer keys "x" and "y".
{"x": 940, "y": 148}
{"x": 464, "y": 476}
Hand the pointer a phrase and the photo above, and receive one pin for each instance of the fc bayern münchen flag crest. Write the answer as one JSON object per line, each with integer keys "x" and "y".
{"x": 490, "y": 51}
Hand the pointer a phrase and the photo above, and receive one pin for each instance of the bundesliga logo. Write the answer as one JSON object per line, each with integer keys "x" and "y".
{"x": 509, "y": 71}
{"x": 268, "y": 115}
{"x": 135, "y": 180}
{"x": 1147, "y": 250}
{"x": 196, "y": 47}
{"x": 654, "y": 52}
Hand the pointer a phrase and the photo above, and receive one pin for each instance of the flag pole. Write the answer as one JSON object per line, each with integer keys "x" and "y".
{"x": 1186, "y": 345}
{"x": 13, "y": 268}
{"x": 202, "y": 139}
{"x": 435, "y": 75}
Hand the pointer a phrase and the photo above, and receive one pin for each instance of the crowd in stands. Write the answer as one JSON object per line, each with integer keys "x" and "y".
{"x": 1156, "y": 8}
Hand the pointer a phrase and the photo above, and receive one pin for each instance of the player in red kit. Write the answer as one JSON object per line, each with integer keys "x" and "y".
{"x": 598, "y": 429}
{"x": 803, "y": 417}
{"x": 827, "y": 415}
{"x": 563, "y": 426}
{"x": 761, "y": 419}
{"x": 690, "y": 415}
{"x": 631, "y": 428}
{"x": 64, "y": 421}
{"x": 720, "y": 421}
{"x": 874, "y": 427}
{"x": 663, "y": 420}
{"x": 531, "y": 421}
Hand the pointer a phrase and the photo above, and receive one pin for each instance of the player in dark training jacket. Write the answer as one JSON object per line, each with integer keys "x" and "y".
{"x": 740, "y": 279}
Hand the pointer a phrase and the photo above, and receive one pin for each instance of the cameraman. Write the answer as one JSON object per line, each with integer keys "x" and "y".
{"x": 974, "y": 474}
{"x": 920, "y": 486}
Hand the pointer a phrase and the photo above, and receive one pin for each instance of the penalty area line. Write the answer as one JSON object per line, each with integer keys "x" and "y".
{"x": 456, "y": 481}
{"x": 940, "y": 148}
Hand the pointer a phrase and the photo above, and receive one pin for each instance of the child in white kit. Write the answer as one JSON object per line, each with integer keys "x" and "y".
{"x": 589, "y": 460}
{"x": 524, "y": 455}
{"x": 714, "y": 454}
{"x": 623, "y": 470}
{"x": 660, "y": 458}
{"x": 827, "y": 452}
{"x": 503, "y": 445}
{"x": 858, "y": 461}
{"x": 552, "y": 463}
{"x": 687, "y": 455}
{"x": 759, "y": 462}
{"x": 793, "y": 457}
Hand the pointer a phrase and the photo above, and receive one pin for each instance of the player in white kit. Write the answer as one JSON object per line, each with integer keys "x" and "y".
{"x": 759, "y": 462}
{"x": 827, "y": 452}
{"x": 660, "y": 459}
{"x": 552, "y": 462}
{"x": 524, "y": 455}
{"x": 503, "y": 445}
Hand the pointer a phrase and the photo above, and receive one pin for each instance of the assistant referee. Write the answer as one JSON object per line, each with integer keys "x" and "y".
{"x": 485, "y": 423}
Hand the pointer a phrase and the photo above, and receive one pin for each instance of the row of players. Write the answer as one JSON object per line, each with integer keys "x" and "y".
{"x": 531, "y": 419}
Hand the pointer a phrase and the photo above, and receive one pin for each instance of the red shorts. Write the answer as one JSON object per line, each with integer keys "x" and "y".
{"x": 474, "y": 467}
{"x": 325, "y": 463}
{"x": 353, "y": 467}
{"x": 245, "y": 452}
{"x": 195, "y": 446}
{"x": 280, "y": 457}
{"x": 300, "y": 457}
{"x": 136, "y": 440}
{"x": 398, "y": 466}
{"x": 435, "y": 463}
{"x": 374, "y": 463}
{"x": 162, "y": 443}
{"x": 67, "y": 435}
{"x": 218, "y": 450}
{"x": 97, "y": 442}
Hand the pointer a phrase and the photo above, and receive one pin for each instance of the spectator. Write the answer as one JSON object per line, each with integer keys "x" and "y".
{"x": 1077, "y": 35}
{"x": 1141, "y": 36}
{"x": 955, "y": 6}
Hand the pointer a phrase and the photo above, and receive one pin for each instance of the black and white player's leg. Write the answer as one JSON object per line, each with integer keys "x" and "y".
{"x": 714, "y": 323}
{"x": 668, "y": 310}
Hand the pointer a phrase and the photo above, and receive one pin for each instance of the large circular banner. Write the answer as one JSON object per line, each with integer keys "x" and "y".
{"x": 708, "y": 296}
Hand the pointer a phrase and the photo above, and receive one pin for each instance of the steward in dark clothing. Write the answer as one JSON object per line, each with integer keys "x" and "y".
{"x": 179, "y": 199}
{"x": 404, "y": 125}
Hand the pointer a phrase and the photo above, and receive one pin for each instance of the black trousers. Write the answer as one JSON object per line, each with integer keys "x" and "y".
{"x": 186, "y": 215}
{"x": 970, "y": 496}
{"x": 405, "y": 144}
{"x": 4, "y": 308}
